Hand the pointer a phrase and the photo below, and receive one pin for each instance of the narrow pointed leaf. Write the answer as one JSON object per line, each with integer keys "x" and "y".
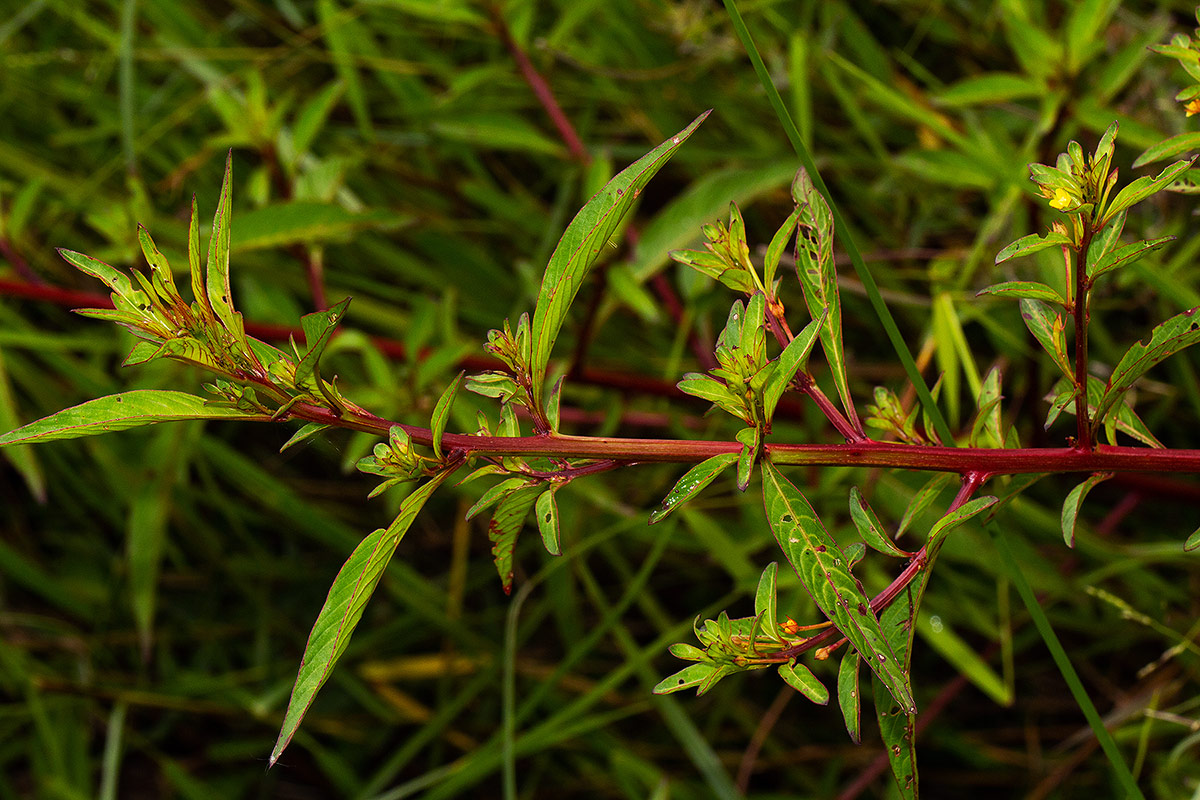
{"x": 750, "y": 439}
{"x": 1124, "y": 256}
{"x": 318, "y": 328}
{"x": 348, "y": 596}
{"x": 220, "y": 295}
{"x": 1048, "y": 328}
{"x": 582, "y": 243}
{"x": 125, "y": 297}
{"x": 1168, "y": 148}
{"x": 158, "y": 263}
{"x": 307, "y": 431}
{"x": 1070, "y": 509}
{"x": 849, "y": 697}
{"x": 1178, "y": 332}
{"x": 818, "y": 278}
{"x": 547, "y": 520}
{"x": 766, "y": 598}
{"x": 800, "y": 678}
{"x": 793, "y": 359}
{"x": 441, "y": 413}
{"x": 505, "y": 527}
{"x": 955, "y": 518}
{"x": 816, "y": 558}
{"x": 922, "y": 500}
{"x": 497, "y": 493}
{"x": 870, "y": 528}
{"x": 776, "y": 248}
{"x": 120, "y": 412}
{"x": 692, "y": 483}
{"x": 986, "y": 431}
{"x": 1143, "y": 187}
{"x": 1193, "y": 541}
{"x": 897, "y": 726}
{"x": 689, "y": 677}
{"x": 1028, "y": 289}
{"x": 199, "y": 291}
{"x": 1033, "y": 243}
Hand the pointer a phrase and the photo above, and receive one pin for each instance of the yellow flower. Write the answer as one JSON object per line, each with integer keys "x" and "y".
{"x": 1062, "y": 200}
{"x": 1193, "y": 107}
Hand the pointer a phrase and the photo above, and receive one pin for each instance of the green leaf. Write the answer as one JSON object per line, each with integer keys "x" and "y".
{"x": 1169, "y": 148}
{"x": 312, "y": 116}
{"x": 766, "y": 599}
{"x": 582, "y": 243}
{"x": 125, "y": 297}
{"x": 220, "y": 295}
{"x": 793, "y": 359}
{"x": 818, "y": 278}
{"x": 497, "y": 493}
{"x": 197, "y": 270}
{"x": 1024, "y": 289}
{"x": 547, "y": 520}
{"x": 307, "y": 222}
{"x": 441, "y": 413}
{"x": 849, "y": 698}
{"x": 1049, "y": 330}
{"x": 870, "y": 528}
{"x": 1145, "y": 186}
{"x": 1178, "y": 332}
{"x": 1124, "y": 256}
{"x": 343, "y": 608}
{"x": 506, "y": 525}
{"x": 922, "y": 500}
{"x": 751, "y": 441}
{"x": 776, "y": 248}
{"x": 119, "y": 412}
{"x": 800, "y": 678}
{"x": 308, "y": 430}
{"x": 1193, "y": 541}
{"x": 318, "y": 328}
{"x": 955, "y": 518}
{"x": 158, "y": 264}
{"x": 988, "y": 89}
{"x": 712, "y": 390}
{"x": 986, "y": 430}
{"x": 1028, "y": 245}
{"x": 897, "y": 726}
{"x": 692, "y": 483}
{"x": 816, "y": 558}
{"x": 689, "y": 677}
{"x": 1070, "y": 509}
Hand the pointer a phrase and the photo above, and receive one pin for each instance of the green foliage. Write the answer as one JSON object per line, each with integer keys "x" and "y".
{"x": 407, "y": 154}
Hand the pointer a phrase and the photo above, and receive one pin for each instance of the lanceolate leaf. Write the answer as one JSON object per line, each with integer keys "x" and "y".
{"x": 1048, "y": 328}
{"x": 692, "y": 483}
{"x": 1145, "y": 186}
{"x": 849, "y": 694}
{"x": 870, "y": 528}
{"x": 1180, "y": 331}
{"x": 506, "y": 524}
{"x": 689, "y": 677}
{"x": 220, "y": 295}
{"x": 1124, "y": 256}
{"x": 318, "y": 328}
{"x": 1169, "y": 148}
{"x": 766, "y": 600}
{"x": 955, "y": 518}
{"x": 497, "y": 493}
{"x": 1030, "y": 289}
{"x": 352, "y": 588}
{"x": 1027, "y": 245}
{"x": 441, "y": 413}
{"x": 547, "y": 520}
{"x": 119, "y": 412}
{"x": 800, "y": 678}
{"x": 818, "y": 561}
{"x": 818, "y": 277}
{"x": 1070, "y": 509}
{"x": 790, "y": 361}
{"x": 896, "y": 725}
{"x": 582, "y": 242}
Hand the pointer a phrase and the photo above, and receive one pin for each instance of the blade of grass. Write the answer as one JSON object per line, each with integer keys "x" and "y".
{"x": 1124, "y": 776}
{"x": 860, "y": 267}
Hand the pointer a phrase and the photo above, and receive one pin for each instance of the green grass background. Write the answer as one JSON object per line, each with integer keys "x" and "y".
{"x": 157, "y": 587}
